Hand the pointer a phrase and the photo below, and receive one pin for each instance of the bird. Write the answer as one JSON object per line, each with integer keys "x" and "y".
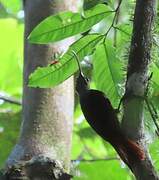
{"x": 102, "y": 117}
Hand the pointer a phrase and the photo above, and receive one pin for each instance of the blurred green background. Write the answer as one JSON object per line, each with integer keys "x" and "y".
{"x": 92, "y": 157}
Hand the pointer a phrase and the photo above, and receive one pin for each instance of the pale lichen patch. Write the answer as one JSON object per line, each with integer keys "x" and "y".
{"x": 137, "y": 83}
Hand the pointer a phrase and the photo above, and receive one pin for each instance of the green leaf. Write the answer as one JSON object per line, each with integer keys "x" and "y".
{"x": 107, "y": 70}
{"x": 66, "y": 24}
{"x": 123, "y": 36}
{"x": 50, "y": 76}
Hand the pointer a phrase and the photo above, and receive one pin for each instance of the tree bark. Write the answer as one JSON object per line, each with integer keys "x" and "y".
{"x": 137, "y": 79}
{"x": 43, "y": 150}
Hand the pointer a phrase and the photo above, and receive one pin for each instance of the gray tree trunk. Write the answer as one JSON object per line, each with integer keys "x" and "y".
{"x": 137, "y": 79}
{"x": 43, "y": 150}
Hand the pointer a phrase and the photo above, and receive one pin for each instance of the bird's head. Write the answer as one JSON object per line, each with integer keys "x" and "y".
{"x": 82, "y": 84}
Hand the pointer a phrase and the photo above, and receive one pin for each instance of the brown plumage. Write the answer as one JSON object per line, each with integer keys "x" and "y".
{"x": 102, "y": 117}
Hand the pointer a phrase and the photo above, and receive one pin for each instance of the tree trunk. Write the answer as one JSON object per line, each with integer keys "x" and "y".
{"x": 43, "y": 150}
{"x": 137, "y": 79}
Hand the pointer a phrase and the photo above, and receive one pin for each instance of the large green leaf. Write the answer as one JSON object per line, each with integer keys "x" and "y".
{"x": 65, "y": 24}
{"x": 53, "y": 75}
{"x": 107, "y": 70}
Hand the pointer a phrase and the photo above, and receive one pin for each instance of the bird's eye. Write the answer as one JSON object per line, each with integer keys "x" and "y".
{"x": 87, "y": 80}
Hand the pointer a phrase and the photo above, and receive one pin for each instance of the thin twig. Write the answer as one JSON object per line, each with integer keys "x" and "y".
{"x": 154, "y": 109}
{"x": 10, "y": 100}
{"x": 116, "y": 22}
{"x": 113, "y": 22}
{"x": 94, "y": 160}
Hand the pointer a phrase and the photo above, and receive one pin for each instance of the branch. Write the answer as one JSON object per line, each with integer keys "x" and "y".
{"x": 95, "y": 160}
{"x": 137, "y": 79}
{"x": 10, "y": 100}
{"x": 114, "y": 19}
{"x": 116, "y": 22}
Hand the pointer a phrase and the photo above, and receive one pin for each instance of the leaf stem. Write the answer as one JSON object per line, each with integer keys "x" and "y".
{"x": 113, "y": 22}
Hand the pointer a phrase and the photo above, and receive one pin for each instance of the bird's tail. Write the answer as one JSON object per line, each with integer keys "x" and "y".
{"x": 135, "y": 150}
{"x": 129, "y": 151}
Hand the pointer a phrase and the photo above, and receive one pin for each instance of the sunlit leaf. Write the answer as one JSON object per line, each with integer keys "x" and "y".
{"x": 53, "y": 75}
{"x": 66, "y": 24}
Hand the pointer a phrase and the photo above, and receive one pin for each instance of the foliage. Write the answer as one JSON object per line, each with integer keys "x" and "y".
{"x": 105, "y": 54}
{"x": 76, "y": 23}
{"x": 108, "y": 67}
{"x": 105, "y": 71}
{"x": 66, "y": 65}
{"x": 108, "y": 76}
{"x": 11, "y": 63}
{"x": 67, "y": 24}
